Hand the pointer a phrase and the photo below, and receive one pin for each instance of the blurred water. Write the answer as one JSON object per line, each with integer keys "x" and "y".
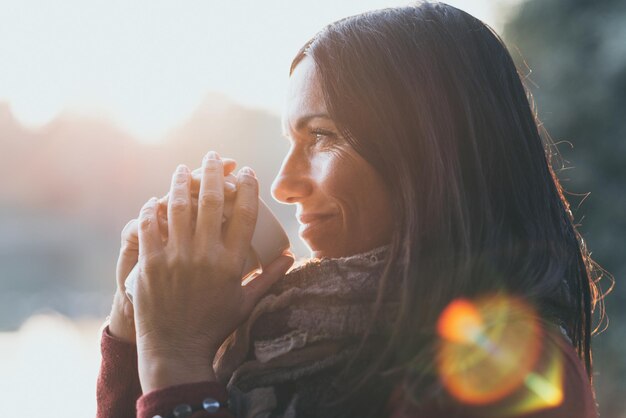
{"x": 49, "y": 367}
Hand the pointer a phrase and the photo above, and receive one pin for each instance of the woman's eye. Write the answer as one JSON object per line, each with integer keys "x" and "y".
{"x": 323, "y": 136}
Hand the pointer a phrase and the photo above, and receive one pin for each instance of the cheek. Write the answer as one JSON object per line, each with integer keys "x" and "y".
{"x": 369, "y": 198}
{"x": 354, "y": 184}
{"x": 338, "y": 175}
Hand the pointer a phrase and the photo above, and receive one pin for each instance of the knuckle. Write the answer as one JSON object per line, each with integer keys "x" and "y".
{"x": 179, "y": 205}
{"x": 211, "y": 166}
{"x": 128, "y": 247}
{"x": 129, "y": 243}
{"x": 248, "y": 213}
{"x": 203, "y": 260}
{"x": 145, "y": 223}
{"x": 180, "y": 177}
{"x": 210, "y": 199}
{"x": 178, "y": 258}
{"x": 150, "y": 262}
{"x": 146, "y": 208}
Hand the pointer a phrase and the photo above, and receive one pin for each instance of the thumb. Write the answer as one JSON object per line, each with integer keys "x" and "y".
{"x": 256, "y": 288}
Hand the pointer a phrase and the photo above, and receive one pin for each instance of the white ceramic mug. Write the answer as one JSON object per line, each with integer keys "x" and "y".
{"x": 268, "y": 241}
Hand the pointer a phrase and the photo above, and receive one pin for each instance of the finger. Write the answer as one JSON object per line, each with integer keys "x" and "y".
{"x": 230, "y": 186}
{"x": 129, "y": 251}
{"x": 162, "y": 219}
{"x": 179, "y": 207}
{"x": 149, "y": 236}
{"x": 229, "y": 166}
{"x": 245, "y": 210}
{"x": 210, "y": 201}
{"x": 254, "y": 290}
{"x": 130, "y": 235}
{"x": 125, "y": 263}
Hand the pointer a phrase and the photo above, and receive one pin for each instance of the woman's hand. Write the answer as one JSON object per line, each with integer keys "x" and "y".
{"x": 121, "y": 320}
{"x": 189, "y": 297}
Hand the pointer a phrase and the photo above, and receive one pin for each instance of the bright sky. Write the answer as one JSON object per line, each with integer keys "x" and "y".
{"x": 147, "y": 64}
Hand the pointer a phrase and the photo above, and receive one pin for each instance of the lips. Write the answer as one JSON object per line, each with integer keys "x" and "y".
{"x": 313, "y": 224}
{"x": 313, "y": 217}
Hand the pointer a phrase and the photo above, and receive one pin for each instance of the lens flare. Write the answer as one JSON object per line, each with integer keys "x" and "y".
{"x": 491, "y": 349}
{"x": 460, "y": 322}
{"x": 543, "y": 388}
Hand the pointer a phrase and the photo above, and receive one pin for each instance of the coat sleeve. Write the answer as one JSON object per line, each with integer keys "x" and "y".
{"x": 118, "y": 386}
{"x": 576, "y": 400}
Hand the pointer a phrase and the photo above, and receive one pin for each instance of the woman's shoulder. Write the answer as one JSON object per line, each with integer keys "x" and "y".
{"x": 555, "y": 386}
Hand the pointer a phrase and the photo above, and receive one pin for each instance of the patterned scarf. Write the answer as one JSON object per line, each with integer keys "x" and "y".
{"x": 282, "y": 361}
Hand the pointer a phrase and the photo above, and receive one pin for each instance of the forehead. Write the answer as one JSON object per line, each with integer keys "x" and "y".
{"x": 304, "y": 94}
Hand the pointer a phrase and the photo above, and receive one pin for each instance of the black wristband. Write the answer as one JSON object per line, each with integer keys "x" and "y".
{"x": 185, "y": 410}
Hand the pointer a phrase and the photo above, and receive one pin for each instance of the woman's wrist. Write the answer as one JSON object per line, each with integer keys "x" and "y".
{"x": 158, "y": 373}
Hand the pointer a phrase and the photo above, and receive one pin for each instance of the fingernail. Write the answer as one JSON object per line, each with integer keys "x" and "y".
{"x": 212, "y": 155}
{"x": 247, "y": 171}
{"x": 182, "y": 168}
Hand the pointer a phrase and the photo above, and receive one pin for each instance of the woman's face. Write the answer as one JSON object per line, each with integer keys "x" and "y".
{"x": 342, "y": 204}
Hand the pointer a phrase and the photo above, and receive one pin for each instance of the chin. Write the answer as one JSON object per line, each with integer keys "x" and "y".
{"x": 331, "y": 251}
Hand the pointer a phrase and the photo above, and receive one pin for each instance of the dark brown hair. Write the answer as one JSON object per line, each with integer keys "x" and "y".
{"x": 431, "y": 98}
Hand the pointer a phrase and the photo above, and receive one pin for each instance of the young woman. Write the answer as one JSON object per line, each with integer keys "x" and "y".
{"x": 446, "y": 278}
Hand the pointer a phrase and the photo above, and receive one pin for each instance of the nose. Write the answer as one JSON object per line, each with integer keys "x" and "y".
{"x": 293, "y": 182}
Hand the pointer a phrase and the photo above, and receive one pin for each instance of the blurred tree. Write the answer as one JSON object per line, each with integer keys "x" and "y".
{"x": 576, "y": 51}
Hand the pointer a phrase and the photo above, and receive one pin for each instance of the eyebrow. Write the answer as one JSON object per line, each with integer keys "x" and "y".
{"x": 304, "y": 120}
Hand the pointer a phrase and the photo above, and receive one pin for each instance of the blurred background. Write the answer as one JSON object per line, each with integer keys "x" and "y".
{"x": 99, "y": 101}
